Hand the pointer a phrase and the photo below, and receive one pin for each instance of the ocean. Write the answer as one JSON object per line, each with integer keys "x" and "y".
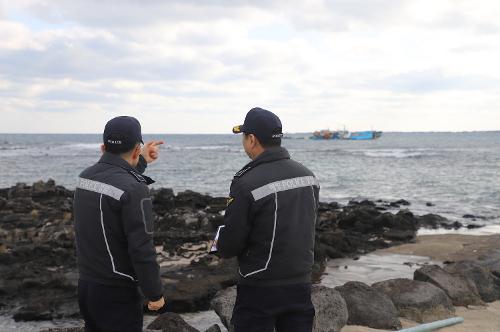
{"x": 457, "y": 172}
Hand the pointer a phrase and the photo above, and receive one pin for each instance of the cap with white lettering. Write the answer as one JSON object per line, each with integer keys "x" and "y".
{"x": 122, "y": 130}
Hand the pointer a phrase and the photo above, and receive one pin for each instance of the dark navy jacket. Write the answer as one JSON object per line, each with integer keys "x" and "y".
{"x": 270, "y": 220}
{"x": 114, "y": 227}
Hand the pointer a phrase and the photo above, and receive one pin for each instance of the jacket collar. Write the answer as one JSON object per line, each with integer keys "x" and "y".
{"x": 111, "y": 159}
{"x": 268, "y": 156}
{"x": 115, "y": 160}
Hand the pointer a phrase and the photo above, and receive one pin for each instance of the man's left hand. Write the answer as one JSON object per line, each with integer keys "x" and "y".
{"x": 151, "y": 150}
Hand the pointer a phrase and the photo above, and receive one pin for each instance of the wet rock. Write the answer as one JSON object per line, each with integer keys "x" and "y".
{"x": 399, "y": 203}
{"x": 406, "y": 220}
{"x": 192, "y": 288}
{"x": 457, "y": 287}
{"x": 433, "y": 221}
{"x": 369, "y": 307}
{"x": 362, "y": 218}
{"x": 171, "y": 322}
{"x": 478, "y": 275}
{"x": 37, "y": 245}
{"x": 430, "y": 204}
{"x": 474, "y": 217}
{"x": 401, "y": 235}
{"x": 418, "y": 301}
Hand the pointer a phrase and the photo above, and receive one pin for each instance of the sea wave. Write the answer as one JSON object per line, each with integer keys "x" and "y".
{"x": 224, "y": 148}
{"x": 398, "y": 153}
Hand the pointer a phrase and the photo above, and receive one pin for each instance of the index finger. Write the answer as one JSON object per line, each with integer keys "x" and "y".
{"x": 156, "y": 143}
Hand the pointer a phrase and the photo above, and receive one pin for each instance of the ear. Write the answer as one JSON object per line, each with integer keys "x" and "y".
{"x": 103, "y": 148}
{"x": 137, "y": 152}
{"x": 253, "y": 140}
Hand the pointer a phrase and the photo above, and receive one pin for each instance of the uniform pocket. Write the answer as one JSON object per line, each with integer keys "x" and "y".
{"x": 147, "y": 215}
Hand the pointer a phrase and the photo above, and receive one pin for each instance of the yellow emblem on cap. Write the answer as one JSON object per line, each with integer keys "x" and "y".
{"x": 229, "y": 200}
{"x": 236, "y": 129}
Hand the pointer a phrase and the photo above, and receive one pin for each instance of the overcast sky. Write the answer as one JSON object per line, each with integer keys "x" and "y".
{"x": 197, "y": 66}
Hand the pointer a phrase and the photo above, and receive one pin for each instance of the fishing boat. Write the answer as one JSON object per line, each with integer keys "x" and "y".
{"x": 327, "y": 134}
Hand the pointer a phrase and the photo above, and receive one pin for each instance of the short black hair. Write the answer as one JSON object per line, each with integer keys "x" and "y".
{"x": 268, "y": 142}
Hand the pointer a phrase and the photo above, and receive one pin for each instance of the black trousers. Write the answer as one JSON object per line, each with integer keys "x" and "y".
{"x": 110, "y": 309}
{"x": 284, "y": 308}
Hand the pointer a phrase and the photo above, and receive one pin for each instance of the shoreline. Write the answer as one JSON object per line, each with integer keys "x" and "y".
{"x": 38, "y": 261}
{"x": 447, "y": 248}
{"x": 432, "y": 248}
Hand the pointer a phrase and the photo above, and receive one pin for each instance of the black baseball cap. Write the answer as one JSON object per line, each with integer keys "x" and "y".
{"x": 262, "y": 123}
{"x": 122, "y": 131}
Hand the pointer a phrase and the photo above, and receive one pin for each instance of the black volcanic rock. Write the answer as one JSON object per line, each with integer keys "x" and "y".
{"x": 368, "y": 306}
{"x": 171, "y": 322}
{"x": 38, "y": 274}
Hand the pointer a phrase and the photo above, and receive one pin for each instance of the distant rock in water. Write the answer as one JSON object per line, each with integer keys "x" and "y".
{"x": 38, "y": 275}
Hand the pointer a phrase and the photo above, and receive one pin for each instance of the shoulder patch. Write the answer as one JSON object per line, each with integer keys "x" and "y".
{"x": 242, "y": 172}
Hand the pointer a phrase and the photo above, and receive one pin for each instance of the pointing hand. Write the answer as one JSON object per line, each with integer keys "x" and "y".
{"x": 151, "y": 150}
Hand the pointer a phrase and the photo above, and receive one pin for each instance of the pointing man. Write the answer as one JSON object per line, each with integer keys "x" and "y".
{"x": 114, "y": 227}
{"x": 269, "y": 225}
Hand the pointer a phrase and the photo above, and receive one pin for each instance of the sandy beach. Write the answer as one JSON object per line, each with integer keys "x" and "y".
{"x": 452, "y": 247}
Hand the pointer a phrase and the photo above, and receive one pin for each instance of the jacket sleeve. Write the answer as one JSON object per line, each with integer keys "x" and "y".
{"x": 233, "y": 237}
{"x": 137, "y": 216}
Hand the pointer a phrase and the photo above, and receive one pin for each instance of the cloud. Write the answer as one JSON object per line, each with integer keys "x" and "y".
{"x": 198, "y": 66}
{"x": 433, "y": 80}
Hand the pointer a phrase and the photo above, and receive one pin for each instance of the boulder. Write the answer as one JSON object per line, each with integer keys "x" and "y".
{"x": 491, "y": 261}
{"x": 399, "y": 202}
{"x": 478, "y": 275}
{"x": 331, "y": 309}
{"x": 171, "y": 322}
{"x": 223, "y": 304}
{"x": 433, "y": 221}
{"x": 369, "y": 307}
{"x": 457, "y": 287}
{"x": 416, "y": 300}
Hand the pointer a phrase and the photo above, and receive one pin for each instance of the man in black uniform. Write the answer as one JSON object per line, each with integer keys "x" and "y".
{"x": 114, "y": 227}
{"x": 269, "y": 225}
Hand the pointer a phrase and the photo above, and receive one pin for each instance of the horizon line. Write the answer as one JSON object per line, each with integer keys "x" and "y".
{"x": 286, "y": 133}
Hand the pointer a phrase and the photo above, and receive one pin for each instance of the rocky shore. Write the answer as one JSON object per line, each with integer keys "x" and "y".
{"x": 38, "y": 275}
